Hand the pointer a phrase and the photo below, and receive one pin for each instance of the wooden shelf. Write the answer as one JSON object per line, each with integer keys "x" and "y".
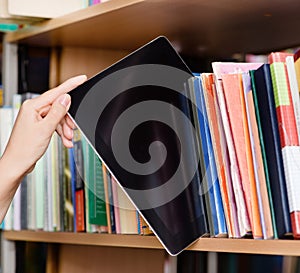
{"x": 196, "y": 27}
{"x": 250, "y": 246}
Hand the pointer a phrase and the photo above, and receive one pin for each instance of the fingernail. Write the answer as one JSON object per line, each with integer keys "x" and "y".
{"x": 64, "y": 100}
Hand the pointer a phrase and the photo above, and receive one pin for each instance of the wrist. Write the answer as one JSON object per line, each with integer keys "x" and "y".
{"x": 10, "y": 171}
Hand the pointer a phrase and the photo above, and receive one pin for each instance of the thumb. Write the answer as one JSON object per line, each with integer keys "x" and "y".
{"x": 57, "y": 112}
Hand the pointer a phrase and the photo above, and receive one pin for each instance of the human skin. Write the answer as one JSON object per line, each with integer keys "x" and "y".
{"x": 37, "y": 121}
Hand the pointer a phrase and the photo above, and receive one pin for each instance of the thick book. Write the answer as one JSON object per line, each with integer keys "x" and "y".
{"x": 283, "y": 99}
{"x": 269, "y": 133}
{"x": 213, "y": 186}
{"x": 262, "y": 186}
{"x": 220, "y": 154}
{"x": 243, "y": 206}
{"x": 134, "y": 115}
{"x": 289, "y": 138}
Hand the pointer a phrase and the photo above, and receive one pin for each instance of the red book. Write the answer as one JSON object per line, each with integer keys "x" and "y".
{"x": 288, "y": 134}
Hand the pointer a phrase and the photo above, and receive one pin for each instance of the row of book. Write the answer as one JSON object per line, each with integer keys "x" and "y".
{"x": 247, "y": 116}
{"x": 247, "y": 119}
{"x": 69, "y": 189}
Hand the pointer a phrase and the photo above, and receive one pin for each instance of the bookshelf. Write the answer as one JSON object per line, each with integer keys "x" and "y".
{"x": 196, "y": 27}
{"x": 249, "y": 246}
{"x": 111, "y": 30}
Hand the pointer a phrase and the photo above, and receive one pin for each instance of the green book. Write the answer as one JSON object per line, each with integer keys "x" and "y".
{"x": 263, "y": 151}
{"x": 96, "y": 195}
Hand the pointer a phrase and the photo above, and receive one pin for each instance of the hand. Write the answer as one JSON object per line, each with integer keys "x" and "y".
{"x": 37, "y": 120}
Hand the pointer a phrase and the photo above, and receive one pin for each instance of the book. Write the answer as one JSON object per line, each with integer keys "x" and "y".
{"x": 220, "y": 154}
{"x": 108, "y": 200}
{"x": 283, "y": 99}
{"x": 81, "y": 192}
{"x": 262, "y": 186}
{"x": 95, "y": 189}
{"x": 289, "y": 138}
{"x": 43, "y": 8}
{"x": 292, "y": 79}
{"x": 271, "y": 148}
{"x": 205, "y": 190}
{"x": 216, "y": 205}
{"x": 6, "y": 124}
{"x": 235, "y": 102}
{"x": 219, "y": 69}
{"x": 297, "y": 65}
{"x": 69, "y": 193}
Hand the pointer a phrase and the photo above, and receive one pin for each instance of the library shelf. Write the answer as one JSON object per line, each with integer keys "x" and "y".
{"x": 249, "y": 246}
{"x": 195, "y": 27}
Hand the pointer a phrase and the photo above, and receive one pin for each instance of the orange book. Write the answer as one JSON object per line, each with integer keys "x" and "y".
{"x": 259, "y": 171}
{"x": 219, "y": 148}
{"x": 235, "y": 102}
{"x": 297, "y": 65}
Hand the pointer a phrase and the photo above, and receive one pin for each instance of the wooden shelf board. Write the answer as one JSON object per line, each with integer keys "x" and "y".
{"x": 268, "y": 247}
{"x": 196, "y": 27}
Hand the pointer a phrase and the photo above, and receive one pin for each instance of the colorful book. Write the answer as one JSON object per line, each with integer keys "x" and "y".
{"x": 216, "y": 205}
{"x": 201, "y": 149}
{"x": 220, "y": 154}
{"x": 81, "y": 212}
{"x": 219, "y": 69}
{"x": 292, "y": 78}
{"x": 266, "y": 116}
{"x": 235, "y": 102}
{"x": 69, "y": 189}
{"x": 283, "y": 99}
{"x": 264, "y": 201}
{"x": 288, "y": 133}
{"x": 95, "y": 187}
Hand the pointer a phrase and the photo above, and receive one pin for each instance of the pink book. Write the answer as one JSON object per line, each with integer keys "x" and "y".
{"x": 243, "y": 211}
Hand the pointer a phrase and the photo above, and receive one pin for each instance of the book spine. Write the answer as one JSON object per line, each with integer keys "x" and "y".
{"x": 242, "y": 211}
{"x": 263, "y": 92}
{"x": 287, "y": 131}
{"x": 80, "y": 190}
{"x": 220, "y": 155}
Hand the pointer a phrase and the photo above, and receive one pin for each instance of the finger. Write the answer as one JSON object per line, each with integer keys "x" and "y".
{"x": 59, "y": 130}
{"x": 67, "y": 131}
{"x": 43, "y": 111}
{"x": 67, "y": 143}
{"x": 57, "y": 112}
{"x": 50, "y": 96}
{"x": 70, "y": 122}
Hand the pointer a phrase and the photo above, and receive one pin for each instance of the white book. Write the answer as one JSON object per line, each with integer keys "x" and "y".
{"x": 6, "y": 123}
{"x": 43, "y": 8}
{"x": 291, "y": 164}
{"x": 290, "y": 65}
{"x": 7, "y": 17}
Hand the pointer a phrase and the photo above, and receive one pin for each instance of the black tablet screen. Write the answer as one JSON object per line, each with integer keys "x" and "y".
{"x": 136, "y": 115}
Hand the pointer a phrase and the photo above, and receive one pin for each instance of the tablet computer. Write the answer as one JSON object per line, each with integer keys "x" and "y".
{"x": 137, "y": 116}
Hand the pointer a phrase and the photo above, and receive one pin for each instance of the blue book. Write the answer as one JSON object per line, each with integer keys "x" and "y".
{"x": 215, "y": 199}
{"x": 72, "y": 167}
